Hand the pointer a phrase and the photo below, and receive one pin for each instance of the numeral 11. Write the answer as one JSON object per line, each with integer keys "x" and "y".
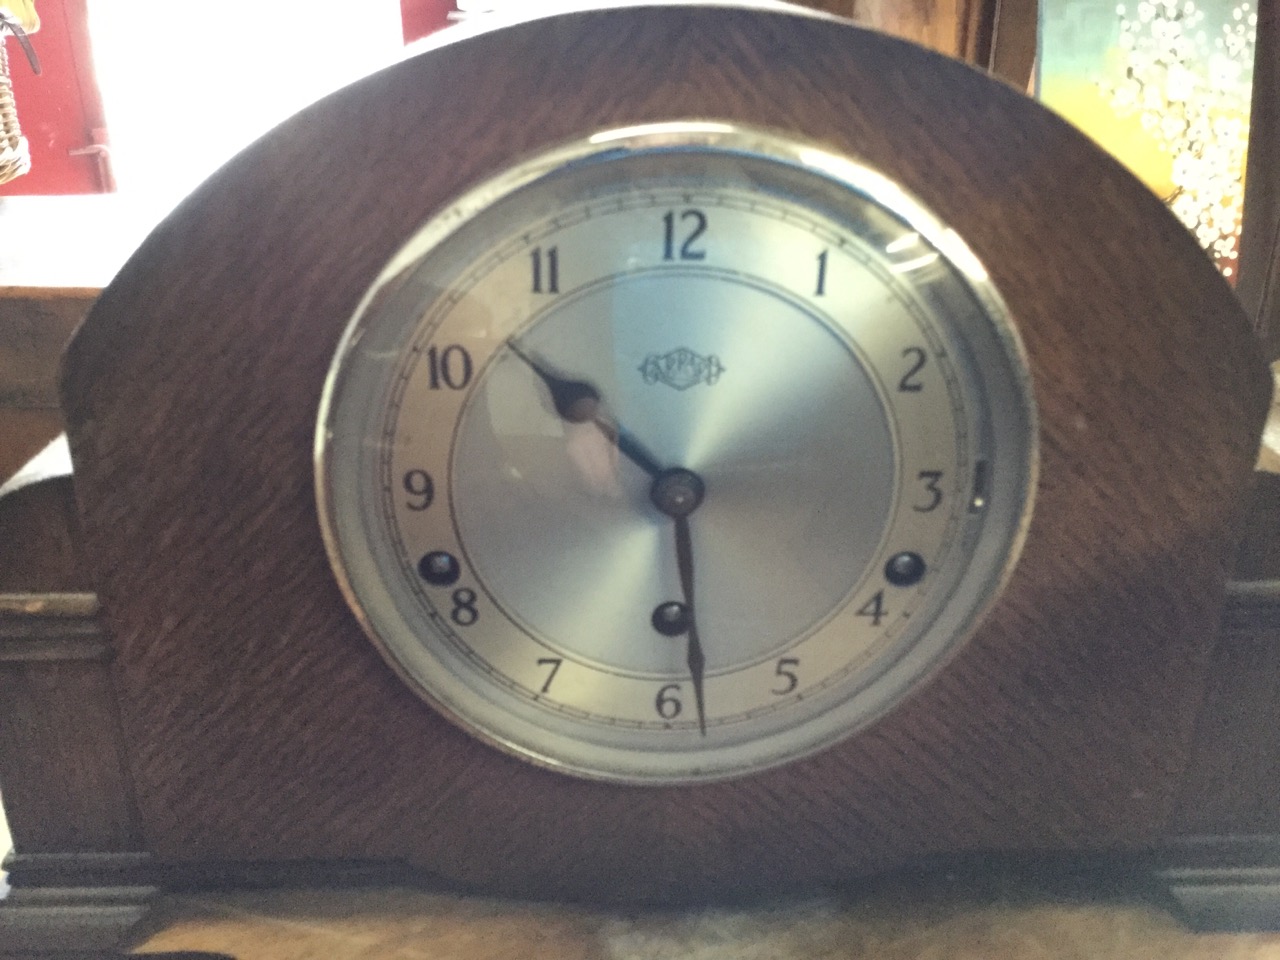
{"x": 552, "y": 258}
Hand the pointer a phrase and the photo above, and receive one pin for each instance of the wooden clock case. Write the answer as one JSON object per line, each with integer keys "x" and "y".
{"x": 221, "y": 716}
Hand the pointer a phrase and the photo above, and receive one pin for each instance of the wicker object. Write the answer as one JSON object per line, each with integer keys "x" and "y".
{"x": 15, "y": 156}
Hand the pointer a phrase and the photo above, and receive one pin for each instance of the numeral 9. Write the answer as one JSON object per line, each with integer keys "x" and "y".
{"x": 421, "y": 489}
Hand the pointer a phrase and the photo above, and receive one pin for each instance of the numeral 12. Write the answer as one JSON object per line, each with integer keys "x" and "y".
{"x": 687, "y": 249}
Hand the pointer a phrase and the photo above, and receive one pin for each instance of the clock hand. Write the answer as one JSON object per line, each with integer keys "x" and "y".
{"x": 677, "y": 493}
{"x": 577, "y": 401}
{"x": 695, "y": 658}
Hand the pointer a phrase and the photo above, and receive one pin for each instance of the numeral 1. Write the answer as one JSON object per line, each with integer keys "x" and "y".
{"x": 821, "y": 290}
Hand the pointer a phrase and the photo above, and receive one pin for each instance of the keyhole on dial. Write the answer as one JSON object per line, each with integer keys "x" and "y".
{"x": 671, "y": 619}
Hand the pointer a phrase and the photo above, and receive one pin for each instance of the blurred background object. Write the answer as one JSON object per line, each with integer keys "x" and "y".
{"x": 15, "y": 153}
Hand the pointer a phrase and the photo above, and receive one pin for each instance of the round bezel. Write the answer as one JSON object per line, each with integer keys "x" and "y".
{"x": 943, "y": 300}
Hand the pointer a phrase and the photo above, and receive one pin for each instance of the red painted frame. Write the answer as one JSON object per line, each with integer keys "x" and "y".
{"x": 421, "y": 17}
{"x": 60, "y": 111}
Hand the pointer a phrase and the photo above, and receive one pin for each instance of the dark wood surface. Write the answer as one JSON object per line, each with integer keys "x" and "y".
{"x": 62, "y": 763}
{"x": 1258, "y": 282}
{"x": 65, "y": 787}
{"x": 42, "y": 550}
{"x": 996, "y": 35}
{"x": 261, "y": 724}
{"x": 1233, "y": 784}
{"x": 35, "y": 325}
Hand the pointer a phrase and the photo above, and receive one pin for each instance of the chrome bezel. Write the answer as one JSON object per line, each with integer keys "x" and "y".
{"x": 1005, "y": 377}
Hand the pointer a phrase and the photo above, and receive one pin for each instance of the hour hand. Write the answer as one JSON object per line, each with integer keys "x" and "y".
{"x": 577, "y": 401}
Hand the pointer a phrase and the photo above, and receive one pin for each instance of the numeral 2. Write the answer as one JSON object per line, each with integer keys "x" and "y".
{"x": 909, "y": 383}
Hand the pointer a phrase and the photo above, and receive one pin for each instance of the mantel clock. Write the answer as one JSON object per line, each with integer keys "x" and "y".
{"x": 666, "y": 452}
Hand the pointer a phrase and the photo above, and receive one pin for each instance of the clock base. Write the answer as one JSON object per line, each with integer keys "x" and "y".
{"x": 97, "y": 902}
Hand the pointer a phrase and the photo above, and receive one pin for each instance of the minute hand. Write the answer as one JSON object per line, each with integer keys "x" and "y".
{"x": 577, "y": 401}
{"x": 696, "y": 660}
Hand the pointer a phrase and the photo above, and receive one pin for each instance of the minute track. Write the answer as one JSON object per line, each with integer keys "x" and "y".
{"x": 786, "y": 407}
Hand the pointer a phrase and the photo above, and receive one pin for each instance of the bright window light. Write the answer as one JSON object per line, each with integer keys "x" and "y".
{"x": 185, "y": 86}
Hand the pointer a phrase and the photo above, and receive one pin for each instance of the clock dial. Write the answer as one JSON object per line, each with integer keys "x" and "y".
{"x": 676, "y": 454}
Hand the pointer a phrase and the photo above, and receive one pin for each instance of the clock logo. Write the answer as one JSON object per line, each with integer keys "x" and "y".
{"x": 681, "y": 368}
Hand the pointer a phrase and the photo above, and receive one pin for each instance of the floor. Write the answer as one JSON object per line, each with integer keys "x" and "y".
{"x": 893, "y": 925}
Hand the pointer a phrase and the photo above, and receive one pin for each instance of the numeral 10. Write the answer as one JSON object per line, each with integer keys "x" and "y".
{"x": 449, "y": 367}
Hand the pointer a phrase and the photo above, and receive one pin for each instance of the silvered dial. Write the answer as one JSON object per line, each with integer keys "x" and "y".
{"x": 676, "y": 454}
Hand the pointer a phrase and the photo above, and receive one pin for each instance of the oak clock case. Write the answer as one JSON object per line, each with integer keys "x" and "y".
{"x": 684, "y": 360}
{"x": 258, "y": 722}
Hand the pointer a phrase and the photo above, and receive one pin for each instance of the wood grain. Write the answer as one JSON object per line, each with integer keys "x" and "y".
{"x": 262, "y": 725}
{"x": 65, "y": 785}
{"x": 62, "y": 765}
{"x": 932, "y": 23}
{"x": 42, "y": 547}
{"x": 996, "y": 35}
{"x": 23, "y": 434}
{"x": 1230, "y": 788}
{"x": 1258, "y": 282}
{"x": 35, "y": 325}
{"x": 1015, "y": 42}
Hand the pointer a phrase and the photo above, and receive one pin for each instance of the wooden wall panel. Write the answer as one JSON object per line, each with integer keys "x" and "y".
{"x": 997, "y": 35}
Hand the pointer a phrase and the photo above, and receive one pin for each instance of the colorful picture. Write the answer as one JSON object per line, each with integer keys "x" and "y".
{"x": 1165, "y": 86}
